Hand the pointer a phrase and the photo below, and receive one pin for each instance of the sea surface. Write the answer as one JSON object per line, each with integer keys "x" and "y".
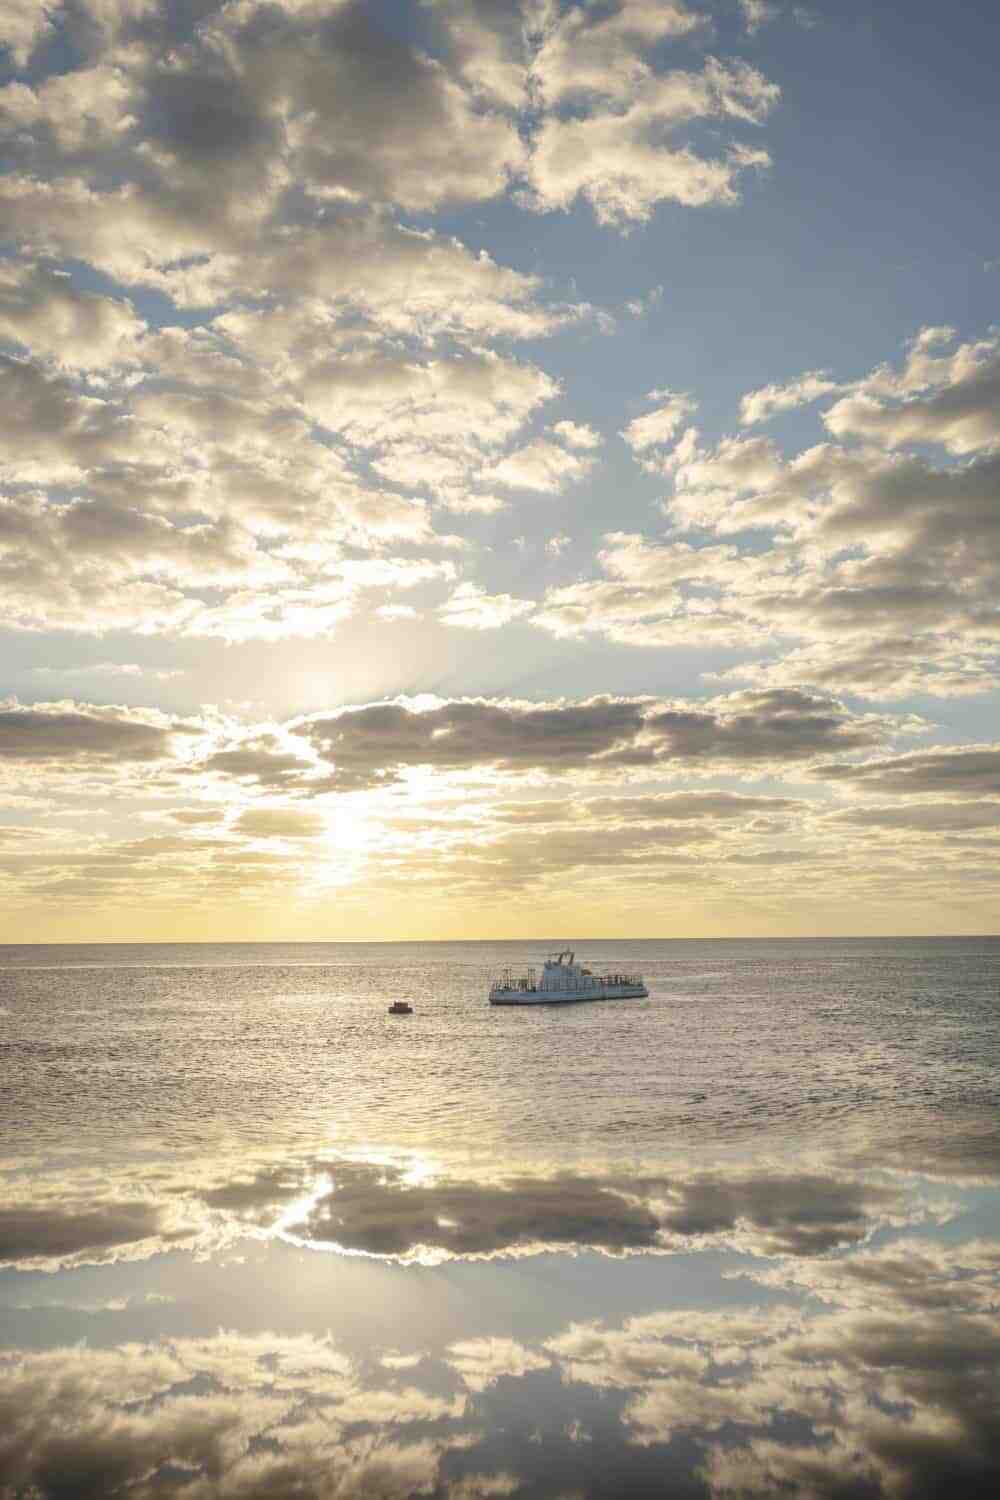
{"x": 258, "y": 1238}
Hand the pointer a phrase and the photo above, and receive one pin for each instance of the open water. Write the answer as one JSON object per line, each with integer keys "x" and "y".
{"x": 259, "y": 1238}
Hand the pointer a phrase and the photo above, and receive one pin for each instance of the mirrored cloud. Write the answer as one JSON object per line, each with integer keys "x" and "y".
{"x": 52, "y": 1234}
{"x": 385, "y": 1210}
{"x": 381, "y": 1211}
{"x": 878, "y": 1383}
{"x": 234, "y": 1416}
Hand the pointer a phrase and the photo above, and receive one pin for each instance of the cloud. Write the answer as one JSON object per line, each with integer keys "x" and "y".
{"x": 888, "y": 1401}
{"x": 98, "y": 564}
{"x": 30, "y": 1234}
{"x": 373, "y": 745}
{"x": 340, "y": 377}
{"x": 107, "y": 669}
{"x": 472, "y": 608}
{"x": 577, "y": 435}
{"x": 611, "y": 123}
{"x": 908, "y": 1276}
{"x": 782, "y": 1213}
{"x": 194, "y": 815}
{"x": 373, "y": 1210}
{"x": 542, "y": 465}
{"x": 261, "y": 92}
{"x": 706, "y": 485}
{"x": 279, "y": 823}
{"x": 745, "y": 1400}
{"x": 925, "y": 817}
{"x": 65, "y": 734}
{"x": 342, "y": 360}
{"x": 616, "y": 158}
{"x": 771, "y": 725}
{"x": 624, "y": 1359}
{"x": 403, "y": 130}
{"x": 948, "y": 399}
{"x": 887, "y": 667}
{"x": 379, "y": 740}
{"x": 399, "y": 280}
{"x": 22, "y": 25}
{"x": 763, "y": 404}
{"x": 487, "y": 44}
{"x": 659, "y": 426}
{"x": 865, "y": 570}
{"x": 380, "y": 1211}
{"x": 481, "y": 1362}
{"x": 580, "y": 53}
{"x": 203, "y": 1414}
{"x": 758, "y": 13}
{"x": 263, "y": 757}
{"x": 372, "y": 398}
{"x": 456, "y": 791}
{"x": 687, "y": 806}
{"x": 54, "y": 431}
{"x": 42, "y": 310}
{"x": 964, "y": 771}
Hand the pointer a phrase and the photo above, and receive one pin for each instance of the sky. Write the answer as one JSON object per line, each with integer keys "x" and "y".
{"x": 480, "y": 469}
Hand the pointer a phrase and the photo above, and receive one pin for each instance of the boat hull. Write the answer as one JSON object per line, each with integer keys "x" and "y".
{"x": 568, "y": 997}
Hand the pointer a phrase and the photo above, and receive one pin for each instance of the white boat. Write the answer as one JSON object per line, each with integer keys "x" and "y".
{"x": 562, "y": 981}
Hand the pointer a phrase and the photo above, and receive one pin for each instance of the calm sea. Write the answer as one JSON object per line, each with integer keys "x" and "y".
{"x": 260, "y": 1238}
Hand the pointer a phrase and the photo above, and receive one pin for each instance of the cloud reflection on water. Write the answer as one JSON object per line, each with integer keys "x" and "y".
{"x": 729, "y": 1329}
{"x": 380, "y": 1209}
{"x": 853, "y": 1401}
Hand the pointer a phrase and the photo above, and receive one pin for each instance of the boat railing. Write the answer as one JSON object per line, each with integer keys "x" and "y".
{"x": 509, "y": 981}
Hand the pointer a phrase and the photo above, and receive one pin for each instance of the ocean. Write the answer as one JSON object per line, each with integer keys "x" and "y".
{"x": 260, "y": 1238}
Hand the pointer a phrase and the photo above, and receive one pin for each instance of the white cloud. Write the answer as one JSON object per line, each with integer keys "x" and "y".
{"x": 873, "y": 571}
{"x": 761, "y": 405}
{"x": 577, "y": 435}
{"x": 585, "y": 53}
{"x": 109, "y": 669}
{"x": 22, "y": 24}
{"x": 250, "y": 163}
{"x": 542, "y": 465}
{"x": 472, "y": 608}
{"x": 618, "y": 162}
{"x": 97, "y": 565}
{"x": 735, "y": 487}
{"x": 948, "y": 399}
{"x": 43, "y": 310}
{"x": 758, "y": 13}
{"x": 480, "y": 1362}
{"x": 660, "y": 425}
{"x": 372, "y": 399}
